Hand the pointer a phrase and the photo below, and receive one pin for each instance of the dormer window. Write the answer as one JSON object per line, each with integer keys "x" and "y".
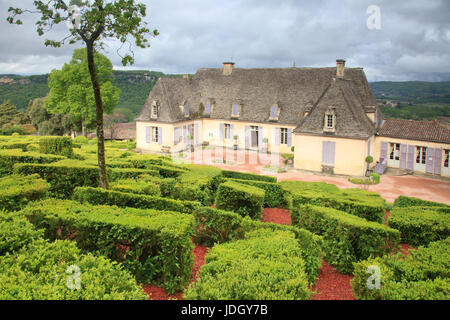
{"x": 186, "y": 110}
{"x": 330, "y": 120}
{"x": 235, "y": 110}
{"x": 154, "y": 109}
{"x": 209, "y": 107}
{"x": 274, "y": 113}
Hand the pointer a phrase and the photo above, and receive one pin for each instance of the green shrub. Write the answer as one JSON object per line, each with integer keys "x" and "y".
{"x": 15, "y": 145}
{"x": 81, "y": 140}
{"x": 265, "y": 266}
{"x": 98, "y": 196}
{"x": 40, "y": 272}
{"x": 10, "y": 157}
{"x": 154, "y": 246}
{"x": 423, "y": 274}
{"x": 216, "y": 226}
{"x": 420, "y": 225}
{"x": 367, "y": 205}
{"x": 403, "y": 201}
{"x": 61, "y": 146}
{"x": 137, "y": 187}
{"x": 15, "y": 232}
{"x": 17, "y": 191}
{"x": 156, "y": 163}
{"x": 275, "y": 195}
{"x": 310, "y": 244}
{"x": 65, "y": 176}
{"x": 347, "y": 238}
{"x": 243, "y": 199}
{"x": 248, "y": 176}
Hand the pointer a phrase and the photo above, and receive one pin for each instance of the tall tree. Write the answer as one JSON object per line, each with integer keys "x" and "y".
{"x": 71, "y": 88}
{"x": 91, "y": 22}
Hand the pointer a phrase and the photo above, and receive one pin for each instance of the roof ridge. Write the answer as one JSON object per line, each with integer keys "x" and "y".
{"x": 314, "y": 105}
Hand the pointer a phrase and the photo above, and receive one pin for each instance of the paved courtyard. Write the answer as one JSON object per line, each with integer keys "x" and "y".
{"x": 389, "y": 188}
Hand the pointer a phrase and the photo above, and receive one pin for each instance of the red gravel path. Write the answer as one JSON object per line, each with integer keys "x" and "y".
{"x": 275, "y": 215}
{"x": 332, "y": 285}
{"x": 158, "y": 293}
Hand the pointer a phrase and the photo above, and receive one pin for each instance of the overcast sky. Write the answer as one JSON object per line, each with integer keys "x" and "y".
{"x": 412, "y": 43}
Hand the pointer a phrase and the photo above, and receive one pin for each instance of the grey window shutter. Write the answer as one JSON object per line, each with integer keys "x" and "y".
{"x": 184, "y": 133}
{"x": 175, "y": 136}
{"x": 384, "y": 148}
{"x": 147, "y": 134}
{"x": 403, "y": 150}
{"x": 260, "y": 137}
{"x": 247, "y": 136}
{"x": 411, "y": 152}
{"x": 324, "y": 151}
{"x": 277, "y": 136}
{"x": 186, "y": 110}
{"x": 368, "y": 148}
{"x": 273, "y": 112}
{"x": 289, "y": 138}
{"x": 438, "y": 161}
{"x": 221, "y": 131}
{"x": 231, "y": 131}
{"x": 208, "y": 109}
{"x": 430, "y": 160}
{"x": 332, "y": 152}
{"x": 197, "y": 133}
{"x": 160, "y": 135}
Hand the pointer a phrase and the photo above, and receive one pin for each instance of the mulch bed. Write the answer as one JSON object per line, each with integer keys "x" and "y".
{"x": 158, "y": 293}
{"x": 332, "y": 285}
{"x": 276, "y": 215}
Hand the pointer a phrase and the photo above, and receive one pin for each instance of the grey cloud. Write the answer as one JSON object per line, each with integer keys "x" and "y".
{"x": 413, "y": 42}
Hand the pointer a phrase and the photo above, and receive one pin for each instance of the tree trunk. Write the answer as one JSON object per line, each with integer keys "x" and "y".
{"x": 103, "y": 178}
{"x": 83, "y": 128}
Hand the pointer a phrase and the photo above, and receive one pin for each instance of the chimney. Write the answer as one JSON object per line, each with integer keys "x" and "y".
{"x": 227, "y": 68}
{"x": 340, "y": 68}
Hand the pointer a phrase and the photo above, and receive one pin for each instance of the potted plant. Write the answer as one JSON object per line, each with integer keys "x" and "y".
{"x": 264, "y": 147}
{"x": 191, "y": 142}
{"x": 235, "y": 146}
{"x": 369, "y": 160}
{"x": 287, "y": 157}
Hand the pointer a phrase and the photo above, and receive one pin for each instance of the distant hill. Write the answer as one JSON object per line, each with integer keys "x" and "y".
{"x": 416, "y": 92}
{"x": 135, "y": 87}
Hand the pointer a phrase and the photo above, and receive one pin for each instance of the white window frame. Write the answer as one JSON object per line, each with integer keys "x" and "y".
{"x": 155, "y": 111}
{"x": 155, "y": 135}
{"x": 227, "y": 131}
{"x": 421, "y": 155}
{"x": 394, "y": 153}
{"x": 446, "y": 158}
{"x": 330, "y": 117}
{"x": 284, "y": 136}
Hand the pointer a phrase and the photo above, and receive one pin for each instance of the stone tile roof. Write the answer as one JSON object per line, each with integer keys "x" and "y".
{"x": 294, "y": 90}
{"x": 432, "y": 131}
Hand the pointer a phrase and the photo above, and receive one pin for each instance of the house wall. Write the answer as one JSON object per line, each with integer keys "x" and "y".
{"x": 167, "y": 136}
{"x": 349, "y": 157}
{"x": 420, "y": 168}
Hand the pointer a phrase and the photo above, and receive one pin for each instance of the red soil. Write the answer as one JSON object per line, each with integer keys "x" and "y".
{"x": 275, "y": 215}
{"x": 332, "y": 285}
{"x": 158, "y": 293}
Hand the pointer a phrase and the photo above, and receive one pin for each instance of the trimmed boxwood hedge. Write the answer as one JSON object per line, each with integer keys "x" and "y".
{"x": 403, "y": 201}
{"x": 15, "y": 145}
{"x": 215, "y": 226}
{"x": 420, "y": 225}
{"x": 15, "y": 232}
{"x": 137, "y": 187}
{"x": 40, "y": 272}
{"x": 369, "y": 209}
{"x": 64, "y": 176}
{"x": 265, "y": 266}
{"x": 240, "y": 198}
{"x": 275, "y": 195}
{"x": 10, "y": 157}
{"x": 347, "y": 238}
{"x": 98, "y": 196}
{"x": 154, "y": 246}
{"x": 248, "y": 176}
{"x": 17, "y": 191}
{"x": 62, "y": 146}
{"x": 423, "y": 274}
